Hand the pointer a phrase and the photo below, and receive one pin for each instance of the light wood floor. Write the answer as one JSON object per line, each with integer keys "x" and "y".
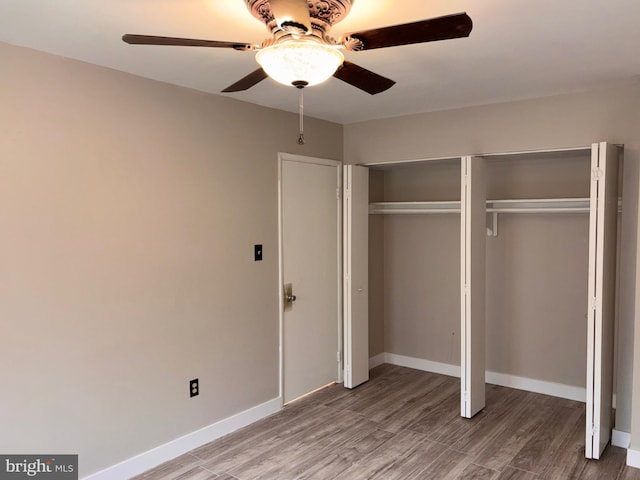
{"x": 404, "y": 424}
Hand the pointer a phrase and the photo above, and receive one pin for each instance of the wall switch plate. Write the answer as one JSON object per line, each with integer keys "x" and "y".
{"x": 257, "y": 253}
{"x": 194, "y": 387}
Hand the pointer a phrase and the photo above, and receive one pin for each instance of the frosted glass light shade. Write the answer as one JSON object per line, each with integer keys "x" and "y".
{"x": 300, "y": 60}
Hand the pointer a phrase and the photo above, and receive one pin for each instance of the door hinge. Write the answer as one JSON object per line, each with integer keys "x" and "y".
{"x": 594, "y": 303}
{"x": 465, "y": 401}
{"x": 338, "y": 190}
{"x": 339, "y": 356}
{"x": 596, "y": 174}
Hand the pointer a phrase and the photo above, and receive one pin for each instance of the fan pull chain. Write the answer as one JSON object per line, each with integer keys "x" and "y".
{"x": 301, "y": 115}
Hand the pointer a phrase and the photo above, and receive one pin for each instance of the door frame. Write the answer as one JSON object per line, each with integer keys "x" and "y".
{"x": 288, "y": 157}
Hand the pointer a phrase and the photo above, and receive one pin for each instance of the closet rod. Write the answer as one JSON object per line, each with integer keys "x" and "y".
{"x": 542, "y": 205}
{"x": 539, "y": 210}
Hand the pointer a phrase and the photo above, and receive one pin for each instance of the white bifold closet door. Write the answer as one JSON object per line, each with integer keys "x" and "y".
{"x": 601, "y": 285}
{"x": 473, "y": 233}
{"x": 356, "y": 275}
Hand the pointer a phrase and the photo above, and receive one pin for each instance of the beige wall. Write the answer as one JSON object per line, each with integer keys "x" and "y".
{"x": 422, "y": 286}
{"x": 537, "y": 297}
{"x": 552, "y": 122}
{"x": 376, "y": 268}
{"x": 129, "y": 209}
{"x": 555, "y": 122}
{"x": 627, "y": 403}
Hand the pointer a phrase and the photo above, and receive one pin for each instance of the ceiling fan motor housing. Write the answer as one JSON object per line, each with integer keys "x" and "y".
{"x": 324, "y": 14}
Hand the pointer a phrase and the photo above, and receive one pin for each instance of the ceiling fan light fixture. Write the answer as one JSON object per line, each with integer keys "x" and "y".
{"x": 302, "y": 60}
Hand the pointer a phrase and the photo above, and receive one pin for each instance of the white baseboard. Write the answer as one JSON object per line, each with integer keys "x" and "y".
{"x": 620, "y": 439}
{"x": 154, "y": 457}
{"x": 538, "y": 386}
{"x": 376, "y": 361}
{"x": 421, "y": 364}
{"x": 522, "y": 383}
{"x": 633, "y": 458}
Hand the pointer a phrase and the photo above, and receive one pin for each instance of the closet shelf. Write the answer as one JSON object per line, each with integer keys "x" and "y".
{"x": 539, "y": 205}
{"x": 414, "y": 207}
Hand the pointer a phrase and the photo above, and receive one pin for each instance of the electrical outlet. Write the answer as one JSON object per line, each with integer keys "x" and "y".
{"x": 194, "y": 387}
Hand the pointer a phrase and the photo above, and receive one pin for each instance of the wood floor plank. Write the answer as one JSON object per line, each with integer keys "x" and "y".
{"x": 172, "y": 469}
{"x": 265, "y": 442}
{"x": 381, "y": 408}
{"x": 361, "y": 445}
{"x": 610, "y": 465}
{"x": 537, "y": 453}
{"x": 289, "y": 459}
{"x": 198, "y": 473}
{"x": 472, "y": 435}
{"x": 437, "y": 416}
{"x": 263, "y": 429}
{"x": 225, "y": 476}
{"x": 629, "y": 473}
{"x": 328, "y": 467}
{"x": 499, "y": 449}
{"x": 568, "y": 461}
{"x": 344, "y": 455}
{"x": 496, "y": 395}
{"x": 278, "y": 447}
{"x": 448, "y": 466}
{"x": 362, "y": 396}
{"x": 476, "y": 472}
{"x": 413, "y": 412}
{"x": 510, "y": 473}
{"x": 402, "y": 457}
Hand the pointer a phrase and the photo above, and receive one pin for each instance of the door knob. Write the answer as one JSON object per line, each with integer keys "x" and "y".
{"x": 289, "y": 297}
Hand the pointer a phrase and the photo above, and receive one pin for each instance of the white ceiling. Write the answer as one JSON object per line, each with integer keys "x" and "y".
{"x": 517, "y": 49}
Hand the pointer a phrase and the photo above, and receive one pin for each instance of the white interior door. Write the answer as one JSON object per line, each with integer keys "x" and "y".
{"x": 472, "y": 279}
{"x": 601, "y": 285}
{"x": 310, "y": 263}
{"x": 356, "y": 275}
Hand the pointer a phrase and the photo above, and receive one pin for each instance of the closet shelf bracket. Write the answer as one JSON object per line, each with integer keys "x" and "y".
{"x": 492, "y": 224}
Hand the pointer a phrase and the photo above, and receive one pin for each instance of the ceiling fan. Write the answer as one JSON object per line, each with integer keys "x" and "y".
{"x": 300, "y": 51}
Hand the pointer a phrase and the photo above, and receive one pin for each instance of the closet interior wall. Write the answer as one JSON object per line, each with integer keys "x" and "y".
{"x": 537, "y": 270}
{"x": 414, "y": 270}
{"x": 376, "y": 267}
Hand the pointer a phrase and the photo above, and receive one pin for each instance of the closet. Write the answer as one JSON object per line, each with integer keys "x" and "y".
{"x": 416, "y": 205}
{"x": 526, "y": 239}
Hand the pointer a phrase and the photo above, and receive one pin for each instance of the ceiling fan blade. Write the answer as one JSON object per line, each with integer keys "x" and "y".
{"x": 362, "y": 78}
{"x": 440, "y": 28}
{"x": 247, "y": 82}
{"x": 292, "y": 15}
{"x": 184, "y": 42}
